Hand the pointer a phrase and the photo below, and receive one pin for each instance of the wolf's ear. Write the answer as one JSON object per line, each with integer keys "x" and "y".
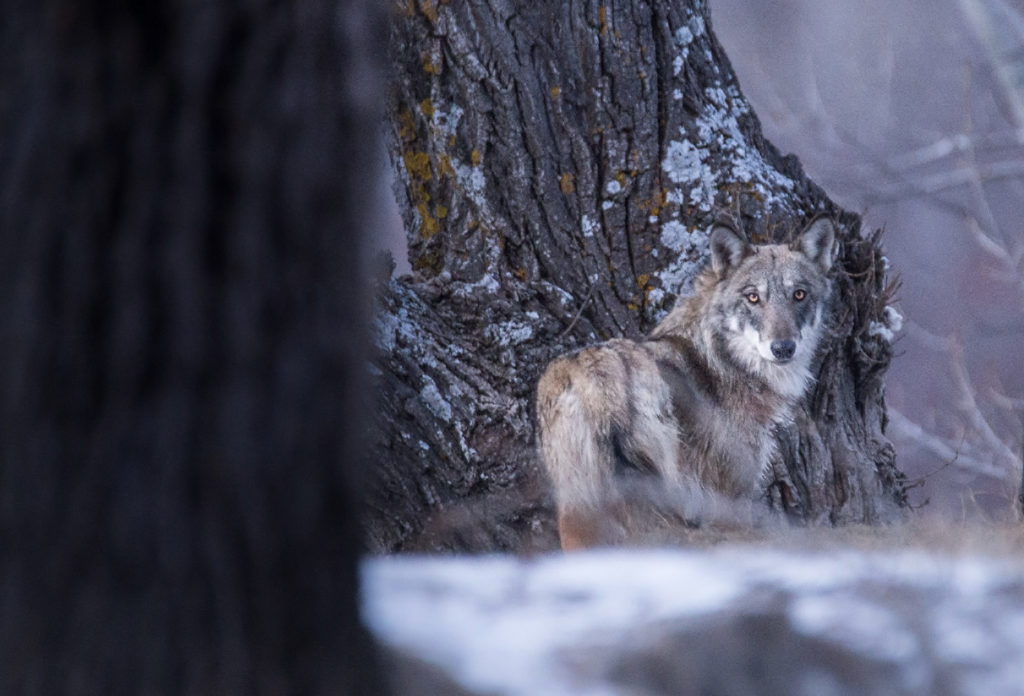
{"x": 727, "y": 249}
{"x": 817, "y": 242}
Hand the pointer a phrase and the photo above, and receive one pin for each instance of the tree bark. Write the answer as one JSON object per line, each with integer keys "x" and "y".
{"x": 558, "y": 165}
{"x": 182, "y": 198}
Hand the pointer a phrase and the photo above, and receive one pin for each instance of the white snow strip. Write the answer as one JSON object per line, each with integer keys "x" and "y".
{"x": 505, "y": 625}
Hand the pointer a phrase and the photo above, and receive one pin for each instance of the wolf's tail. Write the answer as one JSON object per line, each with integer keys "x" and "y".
{"x": 571, "y": 437}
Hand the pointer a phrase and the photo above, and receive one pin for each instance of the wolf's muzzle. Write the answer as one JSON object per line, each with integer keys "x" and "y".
{"x": 783, "y": 350}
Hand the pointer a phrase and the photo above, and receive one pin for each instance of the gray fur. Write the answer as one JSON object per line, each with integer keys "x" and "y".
{"x": 727, "y": 249}
{"x": 818, "y": 242}
{"x": 692, "y": 407}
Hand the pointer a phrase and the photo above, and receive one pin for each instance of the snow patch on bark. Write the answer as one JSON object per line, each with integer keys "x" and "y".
{"x": 389, "y": 328}
{"x": 682, "y": 39}
{"x": 686, "y": 164}
{"x": 686, "y": 161}
{"x": 433, "y": 400}
{"x": 891, "y": 324}
{"x": 688, "y": 254}
{"x": 719, "y": 124}
{"x": 510, "y": 333}
{"x": 487, "y": 285}
{"x": 587, "y": 226}
{"x": 445, "y": 122}
{"x": 677, "y": 237}
{"x": 472, "y": 181}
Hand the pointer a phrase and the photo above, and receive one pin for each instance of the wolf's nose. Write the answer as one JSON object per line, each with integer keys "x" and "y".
{"x": 783, "y": 350}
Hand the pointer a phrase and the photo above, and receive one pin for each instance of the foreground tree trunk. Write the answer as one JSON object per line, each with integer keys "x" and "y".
{"x": 182, "y": 195}
{"x": 558, "y": 165}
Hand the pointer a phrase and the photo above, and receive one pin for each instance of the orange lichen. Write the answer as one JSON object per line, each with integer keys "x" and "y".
{"x": 556, "y": 91}
{"x": 428, "y": 223}
{"x": 427, "y": 108}
{"x": 475, "y": 157}
{"x": 567, "y": 183}
{"x": 429, "y": 66}
{"x": 444, "y": 167}
{"x": 429, "y": 8}
{"x": 427, "y": 261}
{"x": 406, "y": 125}
{"x": 655, "y": 203}
{"x": 417, "y": 164}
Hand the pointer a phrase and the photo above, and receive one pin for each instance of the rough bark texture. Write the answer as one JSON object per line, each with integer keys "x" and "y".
{"x": 182, "y": 346}
{"x": 558, "y": 165}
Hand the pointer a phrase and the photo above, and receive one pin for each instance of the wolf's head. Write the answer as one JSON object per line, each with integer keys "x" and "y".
{"x": 769, "y": 301}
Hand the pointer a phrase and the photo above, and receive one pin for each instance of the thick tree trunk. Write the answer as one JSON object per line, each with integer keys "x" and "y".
{"x": 182, "y": 195}
{"x": 558, "y": 165}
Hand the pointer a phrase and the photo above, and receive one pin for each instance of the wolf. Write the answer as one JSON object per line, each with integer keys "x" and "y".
{"x": 691, "y": 407}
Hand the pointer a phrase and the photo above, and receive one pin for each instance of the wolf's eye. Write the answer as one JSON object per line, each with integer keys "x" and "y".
{"x": 800, "y": 295}
{"x": 753, "y": 297}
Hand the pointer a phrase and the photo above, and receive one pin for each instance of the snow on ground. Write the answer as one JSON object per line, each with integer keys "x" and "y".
{"x": 507, "y": 625}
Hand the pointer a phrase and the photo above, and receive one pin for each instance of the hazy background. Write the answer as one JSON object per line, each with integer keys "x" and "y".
{"x": 912, "y": 114}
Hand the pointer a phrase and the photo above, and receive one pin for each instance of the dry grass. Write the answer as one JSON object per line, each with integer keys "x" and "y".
{"x": 928, "y": 534}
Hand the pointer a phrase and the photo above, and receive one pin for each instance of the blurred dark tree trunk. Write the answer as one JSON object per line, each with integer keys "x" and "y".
{"x": 182, "y": 196}
{"x": 558, "y": 165}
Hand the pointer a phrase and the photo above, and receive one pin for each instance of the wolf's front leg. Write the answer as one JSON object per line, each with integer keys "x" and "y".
{"x": 585, "y": 528}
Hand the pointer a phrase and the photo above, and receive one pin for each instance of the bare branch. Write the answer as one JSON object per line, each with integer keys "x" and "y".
{"x": 999, "y": 30}
{"x": 957, "y": 144}
{"x": 945, "y": 449}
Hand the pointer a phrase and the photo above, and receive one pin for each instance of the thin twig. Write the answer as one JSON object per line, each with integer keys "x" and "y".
{"x": 579, "y": 312}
